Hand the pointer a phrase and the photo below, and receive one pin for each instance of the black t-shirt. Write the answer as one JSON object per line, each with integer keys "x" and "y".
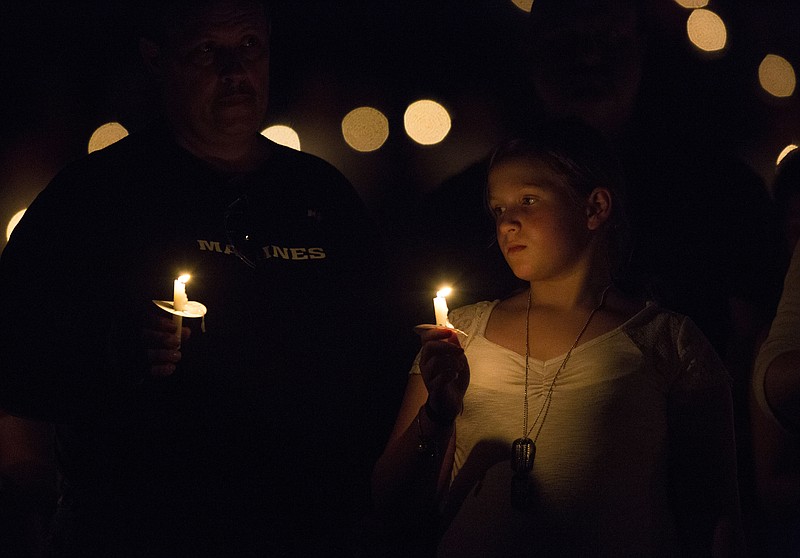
{"x": 269, "y": 421}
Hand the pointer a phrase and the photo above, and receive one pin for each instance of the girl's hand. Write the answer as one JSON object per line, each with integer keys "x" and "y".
{"x": 445, "y": 372}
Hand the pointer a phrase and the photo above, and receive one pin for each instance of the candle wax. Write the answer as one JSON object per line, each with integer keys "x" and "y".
{"x": 179, "y": 298}
{"x": 440, "y": 308}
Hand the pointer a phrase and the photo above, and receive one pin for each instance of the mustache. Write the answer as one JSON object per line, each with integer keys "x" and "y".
{"x": 238, "y": 88}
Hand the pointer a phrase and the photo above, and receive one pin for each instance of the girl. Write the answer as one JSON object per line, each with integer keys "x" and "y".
{"x": 567, "y": 419}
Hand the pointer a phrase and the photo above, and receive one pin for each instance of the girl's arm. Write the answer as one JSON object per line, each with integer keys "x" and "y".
{"x": 414, "y": 469}
{"x": 413, "y": 474}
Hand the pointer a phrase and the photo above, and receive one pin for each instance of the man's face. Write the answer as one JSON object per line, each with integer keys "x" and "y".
{"x": 587, "y": 60}
{"x": 215, "y": 72}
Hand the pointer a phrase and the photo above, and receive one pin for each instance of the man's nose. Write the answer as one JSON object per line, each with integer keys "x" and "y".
{"x": 230, "y": 62}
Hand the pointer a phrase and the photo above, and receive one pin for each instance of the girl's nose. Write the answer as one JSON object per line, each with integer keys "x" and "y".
{"x": 508, "y": 221}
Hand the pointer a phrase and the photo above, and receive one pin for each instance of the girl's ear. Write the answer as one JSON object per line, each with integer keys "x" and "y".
{"x": 598, "y": 208}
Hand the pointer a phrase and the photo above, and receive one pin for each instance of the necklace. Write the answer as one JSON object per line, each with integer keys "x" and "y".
{"x": 523, "y": 450}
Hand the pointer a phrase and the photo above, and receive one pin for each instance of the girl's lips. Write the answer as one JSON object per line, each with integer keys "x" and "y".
{"x": 514, "y": 248}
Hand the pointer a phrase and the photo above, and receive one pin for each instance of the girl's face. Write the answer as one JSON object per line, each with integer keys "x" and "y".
{"x": 541, "y": 230}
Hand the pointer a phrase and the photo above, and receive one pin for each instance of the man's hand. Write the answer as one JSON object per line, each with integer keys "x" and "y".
{"x": 162, "y": 345}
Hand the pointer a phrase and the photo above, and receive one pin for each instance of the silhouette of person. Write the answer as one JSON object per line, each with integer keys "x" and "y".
{"x": 775, "y": 395}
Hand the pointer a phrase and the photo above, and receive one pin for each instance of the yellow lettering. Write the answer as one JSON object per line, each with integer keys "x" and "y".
{"x": 212, "y": 246}
{"x": 316, "y": 253}
{"x": 279, "y": 252}
{"x": 299, "y": 253}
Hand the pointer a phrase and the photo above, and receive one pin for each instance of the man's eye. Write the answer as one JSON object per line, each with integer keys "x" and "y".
{"x": 203, "y": 55}
{"x": 252, "y": 48}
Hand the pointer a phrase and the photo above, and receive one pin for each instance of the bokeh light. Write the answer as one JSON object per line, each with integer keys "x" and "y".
{"x": 365, "y": 129}
{"x": 284, "y": 135}
{"x": 692, "y": 4}
{"x": 426, "y": 122}
{"x": 707, "y": 30}
{"x": 786, "y": 150}
{"x": 524, "y": 5}
{"x": 13, "y": 223}
{"x": 105, "y": 135}
{"x": 776, "y": 76}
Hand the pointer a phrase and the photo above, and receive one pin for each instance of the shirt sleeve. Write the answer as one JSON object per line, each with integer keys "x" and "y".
{"x": 783, "y": 334}
{"x": 57, "y": 320}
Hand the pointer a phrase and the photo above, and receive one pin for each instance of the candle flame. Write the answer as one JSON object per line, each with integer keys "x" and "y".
{"x": 444, "y": 291}
{"x": 184, "y": 278}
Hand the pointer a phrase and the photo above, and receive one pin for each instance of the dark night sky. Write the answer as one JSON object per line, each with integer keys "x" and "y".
{"x": 67, "y": 69}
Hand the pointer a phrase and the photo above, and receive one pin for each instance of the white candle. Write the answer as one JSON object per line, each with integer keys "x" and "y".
{"x": 179, "y": 300}
{"x": 440, "y": 307}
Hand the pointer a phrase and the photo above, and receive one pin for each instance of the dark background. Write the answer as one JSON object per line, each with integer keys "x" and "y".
{"x": 68, "y": 67}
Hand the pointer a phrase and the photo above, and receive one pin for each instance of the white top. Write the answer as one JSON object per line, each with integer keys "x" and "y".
{"x": 784, "y": 334}
{"x": 600, "y": 469}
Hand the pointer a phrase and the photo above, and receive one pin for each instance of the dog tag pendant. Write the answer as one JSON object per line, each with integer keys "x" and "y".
{"x": 523, "y": 451}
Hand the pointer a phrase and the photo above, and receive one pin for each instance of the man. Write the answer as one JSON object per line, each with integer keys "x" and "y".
{"x": 254, "y": 434}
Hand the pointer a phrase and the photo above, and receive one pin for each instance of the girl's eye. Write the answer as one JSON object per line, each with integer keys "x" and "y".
{"x": 528, "y": 200}
{"x": 498, "y": 211}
